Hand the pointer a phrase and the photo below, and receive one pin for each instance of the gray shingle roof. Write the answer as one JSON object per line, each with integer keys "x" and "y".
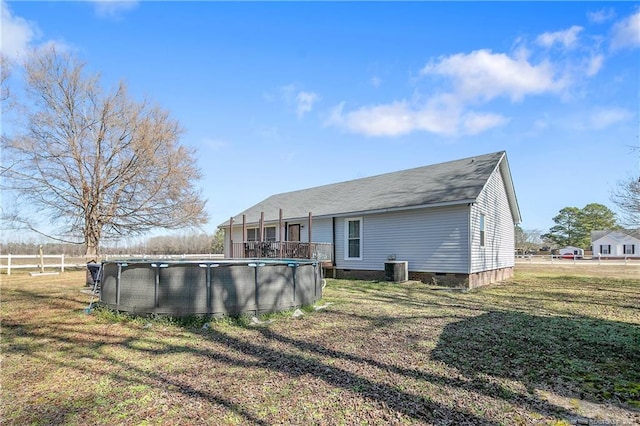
{"x": 451, "y": 182}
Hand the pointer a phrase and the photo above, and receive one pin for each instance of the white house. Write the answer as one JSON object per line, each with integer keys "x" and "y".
{"x": 452, "y": 222}
{"x": 617, "y": 243}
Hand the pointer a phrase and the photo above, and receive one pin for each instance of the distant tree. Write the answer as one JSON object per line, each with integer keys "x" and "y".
{"x": 527, "y": 239}
{"x": 93, "y": 163}
{"x": 627, "y": 198}
{"x": 573, "y": 225}
{"x": 594, "y": 217}
{"x": 218, "y": 241}
{"x": 566, "y": 231}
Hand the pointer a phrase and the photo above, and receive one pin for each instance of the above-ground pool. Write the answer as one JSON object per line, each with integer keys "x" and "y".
{"x": 207, "y": 287}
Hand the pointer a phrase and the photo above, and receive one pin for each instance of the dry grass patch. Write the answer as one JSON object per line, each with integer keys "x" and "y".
{"x": 546, "y": 347}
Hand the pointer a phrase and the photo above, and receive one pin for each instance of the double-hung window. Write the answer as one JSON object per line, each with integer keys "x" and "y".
{"x": 353, "y": 238}
{"x": 629, "y": 249}
{"x": 482, "y": 230}
{"x": 605, "y": 249}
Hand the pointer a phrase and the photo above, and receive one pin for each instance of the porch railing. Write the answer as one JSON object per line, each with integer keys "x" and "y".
{"x": 284, "y": 250}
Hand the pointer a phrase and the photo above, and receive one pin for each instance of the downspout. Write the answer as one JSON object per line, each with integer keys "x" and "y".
{"x": 470, "y": 238}
{"x": 333, "y": 238}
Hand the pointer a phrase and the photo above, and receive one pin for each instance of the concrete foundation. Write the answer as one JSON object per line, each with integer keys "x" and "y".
{"x": 454, "y": 280}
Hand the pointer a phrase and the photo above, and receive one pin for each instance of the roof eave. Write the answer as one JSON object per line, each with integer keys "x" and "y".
{"x": 361, "y": 212}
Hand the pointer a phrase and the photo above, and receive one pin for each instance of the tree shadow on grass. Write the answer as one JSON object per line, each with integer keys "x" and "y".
{"x": 584, "y": 358}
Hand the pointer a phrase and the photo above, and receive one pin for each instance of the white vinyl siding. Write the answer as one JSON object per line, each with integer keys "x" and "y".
{"x": 431, "y": 240}
{"x": 499, "y": 239}
{"x": 322, "y": 230}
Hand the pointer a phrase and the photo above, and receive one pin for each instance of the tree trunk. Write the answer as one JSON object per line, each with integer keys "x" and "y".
{"x": 92, "y": 240}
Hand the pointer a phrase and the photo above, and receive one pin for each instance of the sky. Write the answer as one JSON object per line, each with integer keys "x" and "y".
{"x": 282, "y": 96}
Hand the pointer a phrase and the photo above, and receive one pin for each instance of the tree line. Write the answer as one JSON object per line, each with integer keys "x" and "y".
{"x": 187, "y": 243}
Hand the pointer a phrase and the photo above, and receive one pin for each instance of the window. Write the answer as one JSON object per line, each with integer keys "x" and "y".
{"x": 253, "y": 234}
{"x": 353, "y": 238}
{"x": 270, "y": 233}
{"x": 605, "y": 249}
{"x": 482, "y": 230}
{"x": 629, "y": 249}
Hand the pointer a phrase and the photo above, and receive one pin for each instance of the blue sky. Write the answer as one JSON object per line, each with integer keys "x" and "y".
{"x": 283, "y": 96}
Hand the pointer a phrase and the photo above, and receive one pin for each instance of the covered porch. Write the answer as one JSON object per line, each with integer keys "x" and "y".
{"x": 282, "y": 250}
{"x": 277, "y": 240}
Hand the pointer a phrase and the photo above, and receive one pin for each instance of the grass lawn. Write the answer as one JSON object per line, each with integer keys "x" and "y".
{"x": 548, "y": 347}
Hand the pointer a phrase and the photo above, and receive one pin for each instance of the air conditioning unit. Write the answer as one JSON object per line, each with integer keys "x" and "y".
{"x": 396, "y": 271}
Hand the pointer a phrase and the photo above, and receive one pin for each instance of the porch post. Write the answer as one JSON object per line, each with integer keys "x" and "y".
{"x": 280, "y": 232}
{"x": 261, "y": 226}
{"x": 231, "y": 237}
{"x": 244, "y": 228}
{"x": 309, "y": 230}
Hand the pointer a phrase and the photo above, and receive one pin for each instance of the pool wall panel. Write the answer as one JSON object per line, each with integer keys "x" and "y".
{"x": 213, "y": 288}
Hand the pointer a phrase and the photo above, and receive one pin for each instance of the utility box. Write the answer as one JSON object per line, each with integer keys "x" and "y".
{"x": 396, "y": 271}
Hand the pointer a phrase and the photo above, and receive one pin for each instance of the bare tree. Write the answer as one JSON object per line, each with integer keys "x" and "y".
{"x": 94, "y": 162}
{"x": 5, "y": 73}
{"x": 627, "y": 197}
{"x": 527, "y": 240}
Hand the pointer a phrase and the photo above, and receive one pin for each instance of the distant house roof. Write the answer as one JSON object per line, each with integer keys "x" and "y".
{"x": 449, "y": 183}
{"x": 596, "y": 235}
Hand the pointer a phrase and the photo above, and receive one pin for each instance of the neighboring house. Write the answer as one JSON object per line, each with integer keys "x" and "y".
{"x": 452, "y": 222}
{"x": 618, "y": 243}
{"x": 571, "y": 251}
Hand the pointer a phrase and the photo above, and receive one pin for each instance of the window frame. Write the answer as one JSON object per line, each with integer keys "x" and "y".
{"x": 347, "y": 238}
{"x": 625, "y": 248}
{"x": 256, "y": 232}
{"x": 483, "y": 231}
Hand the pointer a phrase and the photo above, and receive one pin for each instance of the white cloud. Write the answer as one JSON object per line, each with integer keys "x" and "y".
{"x": 484, "y": 75}
{"x": 440, "y": 115}
{"x": 305, "y": 102}
{"x": 601, "y": 16}
{"x": 626, "y": 33}
{"x": 302, "y": 101}
{"x": 461, "y": 84}
{"x": 379, "y": 120}
{"x": 474, "y": 123}
{"x": 17, "y": 33}
{"x": 594, "y": 64}
{"x": 605, "y": 117}
{"x": 113, "y": 8}
{"x": 567, "y": 38}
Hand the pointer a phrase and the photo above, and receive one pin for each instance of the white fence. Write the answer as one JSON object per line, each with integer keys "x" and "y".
{"x": 578, "y": 260}
{"x": 9, "y": 262}
{"x": 39, "y": 262}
